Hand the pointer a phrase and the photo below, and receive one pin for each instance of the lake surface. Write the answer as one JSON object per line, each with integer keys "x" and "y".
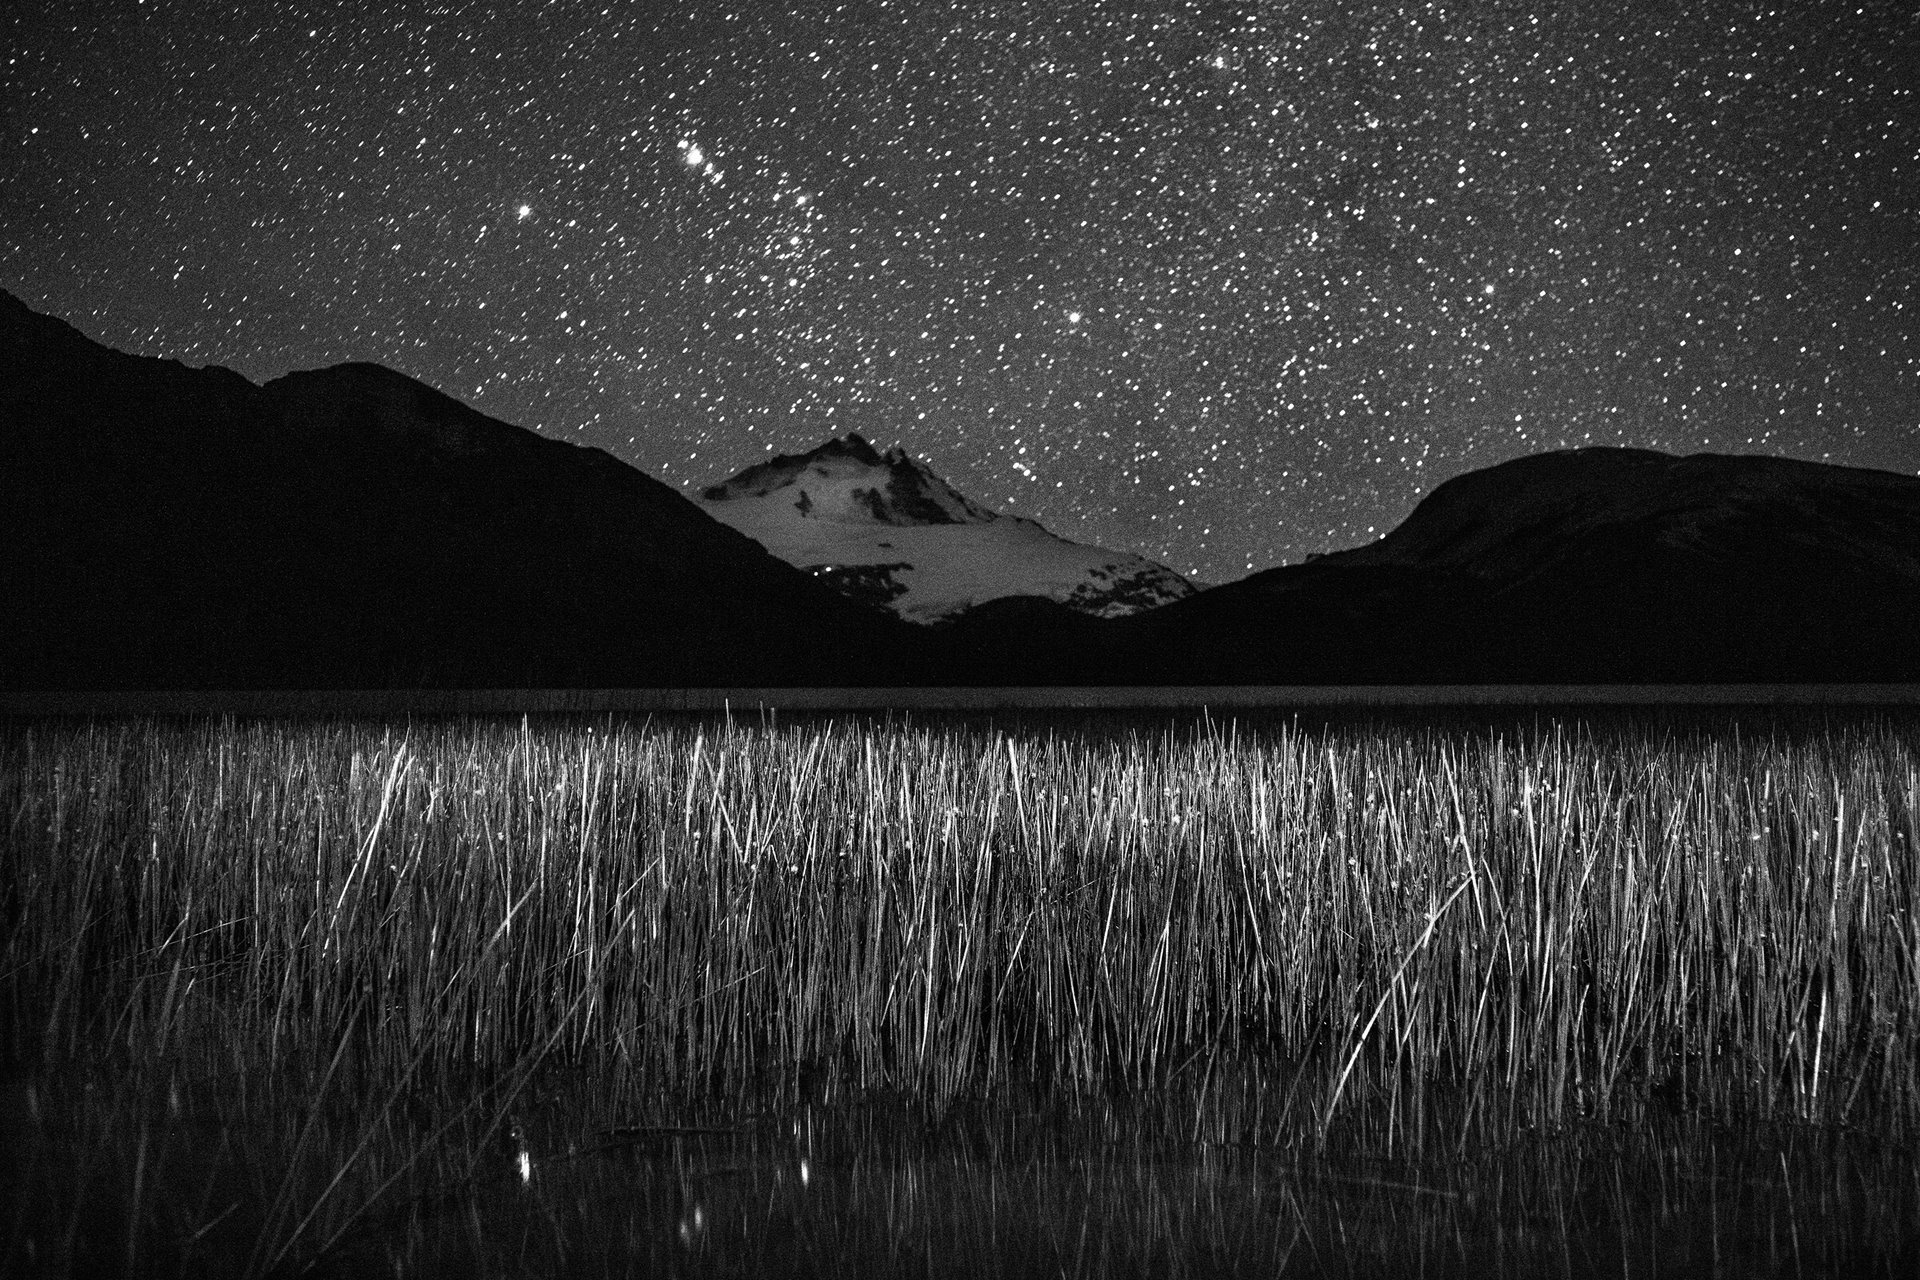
{"x": 194, "y": 1180}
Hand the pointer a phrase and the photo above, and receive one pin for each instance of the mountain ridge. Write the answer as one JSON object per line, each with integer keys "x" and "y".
{"x": 351, "y": 526}
{"x": 1594, "y": 566}
{"x": 1494, "y": 519}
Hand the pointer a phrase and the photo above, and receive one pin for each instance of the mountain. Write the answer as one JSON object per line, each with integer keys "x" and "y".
{"x": 1589, "y": 566}
{"x": 162, "y": 526}
{"x": 170, "y": 527}
{"x": 883, "y": 528}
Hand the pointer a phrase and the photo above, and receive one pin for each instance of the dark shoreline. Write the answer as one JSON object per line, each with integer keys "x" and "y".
{"x": 282, "y": 702}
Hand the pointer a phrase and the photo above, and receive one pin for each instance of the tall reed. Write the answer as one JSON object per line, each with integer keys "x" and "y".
{"x": 1403, "y": 933}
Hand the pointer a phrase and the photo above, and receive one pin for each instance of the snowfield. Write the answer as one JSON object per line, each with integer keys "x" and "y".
{"x": 883, "y": 528}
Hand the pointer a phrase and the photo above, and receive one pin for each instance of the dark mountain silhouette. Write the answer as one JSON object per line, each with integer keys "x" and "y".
{"x": 1591, "y": 565}
{"x": 163, "y": 526}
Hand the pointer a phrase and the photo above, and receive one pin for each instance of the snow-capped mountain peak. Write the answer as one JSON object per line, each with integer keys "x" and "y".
{"x": 883, "y": 527}
{"x": 848, "y": 481}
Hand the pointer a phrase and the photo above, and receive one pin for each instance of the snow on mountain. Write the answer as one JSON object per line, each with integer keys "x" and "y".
{"x": 883, "y": 528}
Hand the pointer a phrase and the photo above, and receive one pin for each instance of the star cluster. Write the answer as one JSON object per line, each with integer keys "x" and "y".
{"x": 1221, "y": 283}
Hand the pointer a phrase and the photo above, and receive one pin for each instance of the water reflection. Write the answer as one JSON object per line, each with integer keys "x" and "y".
{"x": 187, "y": 1180}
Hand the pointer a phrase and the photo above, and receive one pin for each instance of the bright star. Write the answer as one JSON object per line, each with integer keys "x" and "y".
{"x": 524, "y": 212}
{"x": 695, "y": 156}
{"x": 1073, "y": 317}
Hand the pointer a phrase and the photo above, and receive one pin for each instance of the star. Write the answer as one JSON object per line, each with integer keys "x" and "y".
{"x": 1329, "y": 263}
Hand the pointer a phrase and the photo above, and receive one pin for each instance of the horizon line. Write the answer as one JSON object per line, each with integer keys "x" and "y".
{"x": 27, "y": 704}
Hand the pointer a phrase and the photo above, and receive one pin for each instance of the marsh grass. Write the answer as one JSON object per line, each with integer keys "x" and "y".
{"x": 370, "y": 949}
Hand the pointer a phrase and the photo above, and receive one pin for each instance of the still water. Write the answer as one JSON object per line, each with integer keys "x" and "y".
{"x": 180, "y": 1172}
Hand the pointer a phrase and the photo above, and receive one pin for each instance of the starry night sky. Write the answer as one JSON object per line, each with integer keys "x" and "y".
{"x": 1223, "y": 284}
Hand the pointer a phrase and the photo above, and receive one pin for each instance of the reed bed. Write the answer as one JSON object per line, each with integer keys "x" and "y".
{"x": 1561, "y": 921}
{"x": 1378, "y": 936}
